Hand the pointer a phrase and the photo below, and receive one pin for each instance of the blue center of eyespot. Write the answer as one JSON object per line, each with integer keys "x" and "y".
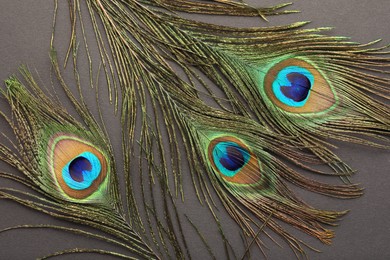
{"x": 77, "y": 167}
{"x": 229, "y": 158}
{"x": 292, "y": 85}
{"x": 81, "y": 171}
{"x": 299, "y": 89}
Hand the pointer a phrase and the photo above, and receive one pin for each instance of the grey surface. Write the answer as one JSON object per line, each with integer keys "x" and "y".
{"x": 363, "y": 234}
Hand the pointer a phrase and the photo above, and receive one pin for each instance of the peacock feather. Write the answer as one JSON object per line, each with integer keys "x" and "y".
{"x": 69, "y": 165}
{"x": 232, "y": 121}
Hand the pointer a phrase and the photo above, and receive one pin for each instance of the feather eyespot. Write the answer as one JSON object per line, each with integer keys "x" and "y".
{"x": 297, "y": 86}
{"x": 78, "y": 167}
{"x": 233, "y": 161}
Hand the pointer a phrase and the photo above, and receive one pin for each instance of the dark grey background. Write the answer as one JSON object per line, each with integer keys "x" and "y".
{"x": 25, "y": 28}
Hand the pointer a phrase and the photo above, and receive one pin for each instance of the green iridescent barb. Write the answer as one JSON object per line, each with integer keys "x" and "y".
{"x": 236, "y": 115}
